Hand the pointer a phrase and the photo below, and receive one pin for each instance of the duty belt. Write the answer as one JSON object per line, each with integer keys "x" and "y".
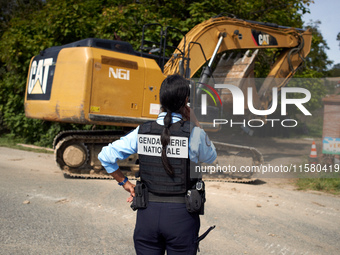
{"x": 166, "y": 199}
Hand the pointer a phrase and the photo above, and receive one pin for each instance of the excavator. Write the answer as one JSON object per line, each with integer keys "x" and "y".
{"x": 106, "y": 82}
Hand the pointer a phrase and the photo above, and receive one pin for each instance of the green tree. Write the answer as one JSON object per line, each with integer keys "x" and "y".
{"x": 56, "y": 23}
{"x": 16, "y": 8}
{"x": 314, "y": 68}
{"x": 128, "y": 18}
{"x": 335, "y": 71}
{"x": 9, "y": 10}
{"x": 317, "y": 59}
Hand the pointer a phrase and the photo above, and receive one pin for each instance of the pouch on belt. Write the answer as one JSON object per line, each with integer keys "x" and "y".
{"x": 141, "y": 198}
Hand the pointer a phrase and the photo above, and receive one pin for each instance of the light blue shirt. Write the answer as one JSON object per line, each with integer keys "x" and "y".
{"x": 201, "y": 149}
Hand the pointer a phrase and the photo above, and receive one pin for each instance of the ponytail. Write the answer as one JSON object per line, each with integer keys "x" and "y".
{"x": 165, "y": 140}
{"x": 172, "y": 95}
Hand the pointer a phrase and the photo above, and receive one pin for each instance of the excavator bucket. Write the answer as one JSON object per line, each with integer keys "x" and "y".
{"x": 235, "y": 67}
{"x": 238, "y": 71}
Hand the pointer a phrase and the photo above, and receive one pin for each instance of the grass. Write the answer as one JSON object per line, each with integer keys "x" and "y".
{"x": 329, "y": 185}
{"x": 10, "y": 142}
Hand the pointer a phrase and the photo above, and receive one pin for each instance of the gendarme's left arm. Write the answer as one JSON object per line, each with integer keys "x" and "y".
{"x": 201, "y": 149}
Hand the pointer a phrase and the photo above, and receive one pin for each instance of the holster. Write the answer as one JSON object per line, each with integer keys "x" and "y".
{"x": 195, "y": 199}
{"x": 141, "y": 198}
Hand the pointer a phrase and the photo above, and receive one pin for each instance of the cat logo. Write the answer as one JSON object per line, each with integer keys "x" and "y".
{"x": 263, "y": 39}
{"x": 40, "y": 78}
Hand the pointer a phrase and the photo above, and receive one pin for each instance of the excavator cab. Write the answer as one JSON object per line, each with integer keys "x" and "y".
{"x": 159, "y": 48}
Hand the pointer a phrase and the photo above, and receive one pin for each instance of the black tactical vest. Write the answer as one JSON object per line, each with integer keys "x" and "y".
{"x": 152, "y": 172}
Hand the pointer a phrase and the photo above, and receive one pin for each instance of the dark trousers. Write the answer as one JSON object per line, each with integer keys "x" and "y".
{"x": 166, "y": 226}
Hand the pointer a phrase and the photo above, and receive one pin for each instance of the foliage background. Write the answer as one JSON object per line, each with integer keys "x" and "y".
{"x": 29, "y": 26}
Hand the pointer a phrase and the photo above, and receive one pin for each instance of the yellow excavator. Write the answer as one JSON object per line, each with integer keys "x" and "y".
{"x": 106, "y": 82}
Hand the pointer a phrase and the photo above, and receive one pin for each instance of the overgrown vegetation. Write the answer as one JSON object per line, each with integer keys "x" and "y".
{"x": 14, "y": 143}
{"x": 330, "y": 185}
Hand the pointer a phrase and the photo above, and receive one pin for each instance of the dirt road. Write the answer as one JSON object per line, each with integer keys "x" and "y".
{"x": 43, "y": 213}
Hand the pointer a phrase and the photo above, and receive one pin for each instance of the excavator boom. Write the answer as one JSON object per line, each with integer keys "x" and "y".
{"x": 237, "y": 34}
{"x": 223, "y": 34}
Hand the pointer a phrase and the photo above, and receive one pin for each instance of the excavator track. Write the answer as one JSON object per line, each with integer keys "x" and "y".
{"x": 76, "y": 155}
{"x": 230, "y": 159}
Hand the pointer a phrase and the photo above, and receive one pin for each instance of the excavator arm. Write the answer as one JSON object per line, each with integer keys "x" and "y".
{"x": 241, "y": 34}
{"x": 222, "y": 34}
